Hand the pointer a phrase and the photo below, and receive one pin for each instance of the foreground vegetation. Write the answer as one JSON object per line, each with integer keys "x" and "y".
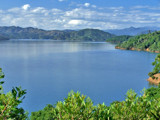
{"x": 80, "y": 107}
{"x": 149, "y": 42}
{"x": 118, "y": 39}
{"x": 9, "y": 102}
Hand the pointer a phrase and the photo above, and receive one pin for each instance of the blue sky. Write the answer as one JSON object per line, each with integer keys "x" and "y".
{"x": 79, "y": 14}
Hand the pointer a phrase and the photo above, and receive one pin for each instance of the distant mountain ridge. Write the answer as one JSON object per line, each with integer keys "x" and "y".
{"x": 132, "y": 31}
{"x": 14, "y": 32}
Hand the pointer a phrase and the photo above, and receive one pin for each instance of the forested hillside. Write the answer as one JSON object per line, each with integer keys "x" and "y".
{"x": 147, "y": 42}
{"x": 34, "y": 33}
{"x": 118, "y": 39}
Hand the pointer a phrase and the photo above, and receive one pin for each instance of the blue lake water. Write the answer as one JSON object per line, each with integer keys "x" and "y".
{"x": 50, "y": 69}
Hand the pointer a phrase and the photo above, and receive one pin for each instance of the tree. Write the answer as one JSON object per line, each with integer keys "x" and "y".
{"x": 9, "y": 102}
{"x": 156, "y": 68}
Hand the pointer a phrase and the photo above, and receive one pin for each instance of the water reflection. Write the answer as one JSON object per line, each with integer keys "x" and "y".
{"x": 25, "y": 49}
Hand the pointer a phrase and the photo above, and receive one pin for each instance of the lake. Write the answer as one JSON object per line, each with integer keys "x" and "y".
{"x": 50, "y": 69}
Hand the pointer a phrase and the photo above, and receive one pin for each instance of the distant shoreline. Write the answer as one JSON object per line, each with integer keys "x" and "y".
{"x": 134, "y": 49}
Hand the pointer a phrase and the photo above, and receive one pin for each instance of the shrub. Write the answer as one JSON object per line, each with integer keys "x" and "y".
{"x": 9, "y": 102}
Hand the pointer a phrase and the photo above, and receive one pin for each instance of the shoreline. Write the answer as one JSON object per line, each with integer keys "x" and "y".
{"x": 154, "y": 81}
{"x": 135, "y": 49}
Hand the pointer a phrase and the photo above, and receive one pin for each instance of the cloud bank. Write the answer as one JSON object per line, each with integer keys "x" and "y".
{"x": 82, "y": 16}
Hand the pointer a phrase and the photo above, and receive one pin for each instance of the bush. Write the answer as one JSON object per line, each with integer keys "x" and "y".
{"x": 9, "y": 102}
{"x": 78, "y": 107}
{"x": 156, "y": 68}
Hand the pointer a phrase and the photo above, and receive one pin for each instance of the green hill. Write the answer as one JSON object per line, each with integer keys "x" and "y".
{"x": 90, "y": 35}
{"x": 147, "y": 42}
{"x": 118, "y": 39}
{"x": 34, "y": 33}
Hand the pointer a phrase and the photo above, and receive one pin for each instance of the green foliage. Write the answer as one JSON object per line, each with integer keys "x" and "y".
{"x": 133, "y": 108}
{"x": 102, "y": 112}
{"x": 9, "y": 103}
{"x": 48, "y": 113}
{"x": 142, "y": 42}
{"x": 119, "y": 39}
{"x": 153, "y": 93}
{"x": 74, "y": 107}
{"x": 156, "y": 68}
{"x": 78, "y": 107}
{"x": 1, "y": 74}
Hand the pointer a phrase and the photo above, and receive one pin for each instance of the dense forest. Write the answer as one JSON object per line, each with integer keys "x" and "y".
{"x": 118, "y": 39}
{"x": 34, "y": 33}
{"x": 148, "y": 42}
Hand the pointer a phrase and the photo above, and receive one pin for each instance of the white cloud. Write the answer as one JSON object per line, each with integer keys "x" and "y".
{"x": 76, "y": 22}
{"x": 139, "y": 7}
{"x": 1, "y": 11}
{"x": 61, "y": 0}
{"x": 25, "y": 7}
{"x": 38, "y": 9}
{"x": 84, "y": 5}
{"x": 14, "y": 10}
{"x": 146, "y": 7}
{"x": 80, "y": 17}
{"x": 87, "y": 4}
{"x": 94, "y": 6}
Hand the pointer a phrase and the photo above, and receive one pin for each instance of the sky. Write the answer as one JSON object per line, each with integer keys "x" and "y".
{"x": 80, "y": 14}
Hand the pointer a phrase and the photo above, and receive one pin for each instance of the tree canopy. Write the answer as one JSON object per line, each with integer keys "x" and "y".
{"x": 150, "y": 42}
{"x": 118, "y": 39}
{"x": 156, "y": 68}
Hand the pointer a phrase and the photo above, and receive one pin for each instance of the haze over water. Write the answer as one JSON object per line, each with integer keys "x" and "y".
{"x": 50, "y": 69}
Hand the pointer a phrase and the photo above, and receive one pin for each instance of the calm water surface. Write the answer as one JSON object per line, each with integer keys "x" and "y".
{"x": 50, "y": 69}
